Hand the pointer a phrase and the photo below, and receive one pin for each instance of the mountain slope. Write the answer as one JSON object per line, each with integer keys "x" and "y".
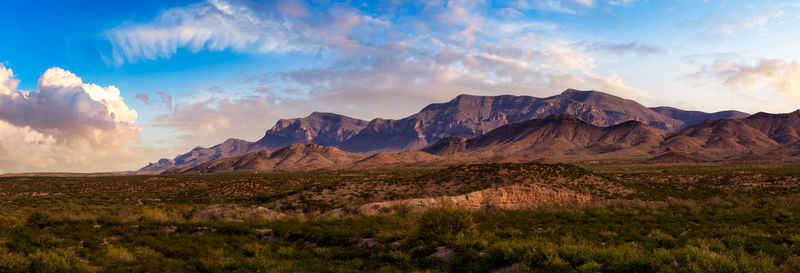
{"x": 718, "y": 137}
{"x": 384, "y": 160}
{"x": 556, "y": 135}
{"x": 294, "y": 157}
{"x": 783, "y": 128}
{"x": 754, "y": 134}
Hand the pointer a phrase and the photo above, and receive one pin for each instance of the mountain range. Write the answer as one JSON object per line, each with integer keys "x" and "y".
{"x": 458, "y": 125}
{"x": 558, "y": 137}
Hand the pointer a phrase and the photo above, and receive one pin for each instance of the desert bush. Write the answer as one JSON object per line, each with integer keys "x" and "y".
{"x": 443, "y": 224}
{"x": 119, "y": 254}
{"x": 57, "y": 260}
{"x": 153, "y": 214}
{"x": 39, "y": 218}
{"x": 13, "y": 262}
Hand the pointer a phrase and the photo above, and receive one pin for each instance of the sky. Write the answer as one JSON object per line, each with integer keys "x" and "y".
{"x": 89, "y": 86}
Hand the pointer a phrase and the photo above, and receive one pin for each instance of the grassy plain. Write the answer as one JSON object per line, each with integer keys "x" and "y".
{"x": 642, "y": 218}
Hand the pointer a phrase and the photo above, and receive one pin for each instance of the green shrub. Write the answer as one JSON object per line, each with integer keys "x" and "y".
{"x": 40, "y": 219}
{"x": 445, "y": 223}
{"x": 57, "y": 260}
{"x": 13, "y": 262}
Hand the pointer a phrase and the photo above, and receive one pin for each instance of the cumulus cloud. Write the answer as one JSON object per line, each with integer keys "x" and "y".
{"x": 69, "y": 110}
{"x": 63, "y": 114}
{"x": 772, "y": 75}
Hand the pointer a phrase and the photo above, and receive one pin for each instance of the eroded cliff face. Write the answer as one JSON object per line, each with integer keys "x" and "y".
{"x": 326, "y": 129}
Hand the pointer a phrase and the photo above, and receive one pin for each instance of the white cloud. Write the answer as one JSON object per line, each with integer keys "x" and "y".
{"x": 64, "y": 116}
{"x": 774, "y": 75}
{"x": 240, "y": 26}
{"x": 215, "y": 25}
{"x": 7, "y": 82}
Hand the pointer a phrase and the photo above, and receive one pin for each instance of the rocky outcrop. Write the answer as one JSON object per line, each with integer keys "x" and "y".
{"x": 232, "y": 212}
{"x": 509, "y": 197}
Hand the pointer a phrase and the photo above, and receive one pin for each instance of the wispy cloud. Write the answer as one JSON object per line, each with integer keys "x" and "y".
{"x": 143, "y": 97}
{"x": 629, "y": 48}
{"x": 562, "y": 6}
{"x": 621, "y": 2}
{"x": 239, "y": 26}
{"x": 716, "y": 27}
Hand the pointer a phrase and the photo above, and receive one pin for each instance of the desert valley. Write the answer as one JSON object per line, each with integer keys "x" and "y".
{"x": 580, "y": 181}
{"x": 494, "y": 136}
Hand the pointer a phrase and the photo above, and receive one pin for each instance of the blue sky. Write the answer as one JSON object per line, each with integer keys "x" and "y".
{"x": 192, "y": 73}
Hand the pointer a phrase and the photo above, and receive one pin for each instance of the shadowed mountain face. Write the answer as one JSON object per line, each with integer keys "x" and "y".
{"x": 555, "y": 135}
{"x": 565, "y": 136}
{"x": 465, "y": 116}
{"x": 719, "y": 136}
{"x": 758, "y": 133}
{"x": 690, "y": 118}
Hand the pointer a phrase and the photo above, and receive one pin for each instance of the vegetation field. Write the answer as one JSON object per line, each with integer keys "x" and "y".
{"x": 639, "y": 218}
